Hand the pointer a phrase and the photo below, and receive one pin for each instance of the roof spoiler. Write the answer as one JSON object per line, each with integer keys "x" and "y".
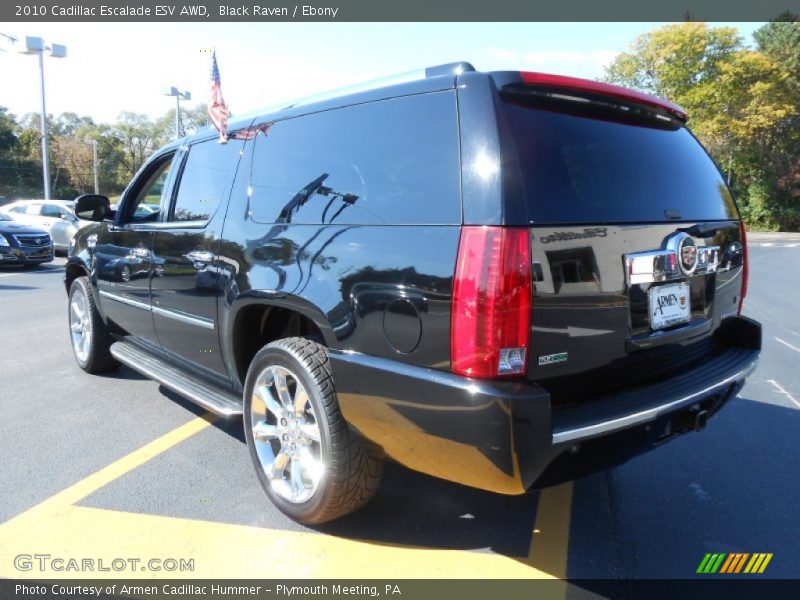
{"x": 588, "y": 86}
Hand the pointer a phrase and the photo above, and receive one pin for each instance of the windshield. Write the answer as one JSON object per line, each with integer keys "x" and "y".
{"x": 4, "y": 217}
{"x": 579, "y": 169}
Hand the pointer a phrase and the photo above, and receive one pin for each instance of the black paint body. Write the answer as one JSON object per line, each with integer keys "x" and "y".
{"x": 371, "y": 265}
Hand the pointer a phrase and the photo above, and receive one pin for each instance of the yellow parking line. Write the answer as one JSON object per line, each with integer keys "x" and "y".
{"x": 106, "y": 475}
{"x": 235, "y": 551}
{"x": 58, "y": 527}
{"x": 550, "y": 541}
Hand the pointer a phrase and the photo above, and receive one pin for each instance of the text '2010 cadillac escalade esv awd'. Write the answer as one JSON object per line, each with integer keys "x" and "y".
{"x": 503, "y": 279}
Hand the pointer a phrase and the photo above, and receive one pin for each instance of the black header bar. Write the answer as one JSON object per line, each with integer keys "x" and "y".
{"x": 393, "y": 10}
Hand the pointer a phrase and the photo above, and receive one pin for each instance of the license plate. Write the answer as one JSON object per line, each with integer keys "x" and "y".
{"x": 669, "y": 305}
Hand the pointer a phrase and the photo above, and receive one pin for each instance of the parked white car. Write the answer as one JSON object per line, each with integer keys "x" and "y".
{"x": 57, "y": 217}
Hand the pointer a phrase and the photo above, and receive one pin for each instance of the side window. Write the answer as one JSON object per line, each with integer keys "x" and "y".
{"x": 205, "y": 179}
{"x": 145, "y": 204}
{"x": 51, "y": 210}
{"x": 389, "y": 162}
{"x": 18, "y": 209}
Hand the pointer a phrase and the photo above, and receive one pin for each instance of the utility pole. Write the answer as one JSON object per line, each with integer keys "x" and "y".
{"x": 94, "y": 166}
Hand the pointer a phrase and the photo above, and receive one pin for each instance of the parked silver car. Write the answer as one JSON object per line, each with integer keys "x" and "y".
{"x": 57, "y": 217}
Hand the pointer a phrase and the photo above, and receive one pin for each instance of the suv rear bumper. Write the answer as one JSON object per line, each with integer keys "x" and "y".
{"x": 503, "y": 436}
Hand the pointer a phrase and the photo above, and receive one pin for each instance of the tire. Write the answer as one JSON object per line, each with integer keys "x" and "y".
{"x": 91, "y": 342}
{"x": 339, "y": 473}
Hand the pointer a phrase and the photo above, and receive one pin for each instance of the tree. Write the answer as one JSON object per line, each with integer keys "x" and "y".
{"x": 20, "y": 167}
{"x": 780, "y": 41}
{"x": 122, "y": 148}
{"x": 740, "y": 101}
{"x": 75, "y": 156}
{"x": 192, "y": 119}
{"x": 673, "y": 60}
{"x": 137, "y": 135}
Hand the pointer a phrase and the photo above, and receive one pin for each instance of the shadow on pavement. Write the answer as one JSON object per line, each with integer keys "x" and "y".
{"x": 409, "y": 508}
{"x": 730, "y": 489}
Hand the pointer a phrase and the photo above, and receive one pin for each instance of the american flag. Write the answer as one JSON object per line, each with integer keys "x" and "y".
{"x": 218, "y": 111}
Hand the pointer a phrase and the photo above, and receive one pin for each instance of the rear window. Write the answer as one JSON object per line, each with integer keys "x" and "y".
{"x": 578, "y": 169}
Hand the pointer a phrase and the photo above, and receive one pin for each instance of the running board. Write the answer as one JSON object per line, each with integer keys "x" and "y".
{"x": 216, "y": 400}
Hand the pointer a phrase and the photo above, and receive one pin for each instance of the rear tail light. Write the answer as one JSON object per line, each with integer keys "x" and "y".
{"x": 491, "y": 308}
{"x": 745, "y": 265}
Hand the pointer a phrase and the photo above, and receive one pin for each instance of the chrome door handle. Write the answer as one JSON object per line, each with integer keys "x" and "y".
{"x": 200, "y": 257}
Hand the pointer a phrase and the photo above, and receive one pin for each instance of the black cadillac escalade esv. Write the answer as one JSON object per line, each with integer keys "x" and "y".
{"x": 503, "y": 279}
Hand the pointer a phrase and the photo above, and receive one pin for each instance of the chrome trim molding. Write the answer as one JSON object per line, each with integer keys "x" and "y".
{"x": 650, "y": 414}
{"x": 124, "y": 300}
{"x": 183, "y": 317}
{"x": 170, "y": 314}
{"x": 655, "y": 266}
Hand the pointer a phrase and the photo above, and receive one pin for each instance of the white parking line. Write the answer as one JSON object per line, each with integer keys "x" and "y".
{"x": 787, "y": 344}
{"x": 767, "y": 244}
{"x": 780, "y": 389}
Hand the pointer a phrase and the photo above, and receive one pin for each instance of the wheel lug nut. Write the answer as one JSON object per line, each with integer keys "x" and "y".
{"x": 285, "y": 437}
{"x": 283, "y": 422}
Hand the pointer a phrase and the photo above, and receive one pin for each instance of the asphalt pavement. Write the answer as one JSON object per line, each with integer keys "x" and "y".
{"x": 116, "y": 463}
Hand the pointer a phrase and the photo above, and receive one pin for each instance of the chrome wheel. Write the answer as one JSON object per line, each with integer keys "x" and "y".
{"x": 286, "y": 434}
{"x": 80, "y": 325}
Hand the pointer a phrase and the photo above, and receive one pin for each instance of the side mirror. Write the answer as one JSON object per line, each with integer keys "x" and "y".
{"x": 93, "y": 207}
{"x": 69, "y": 217}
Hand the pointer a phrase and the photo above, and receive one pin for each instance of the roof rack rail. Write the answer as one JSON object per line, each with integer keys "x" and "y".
{"x": 454, "y": 68}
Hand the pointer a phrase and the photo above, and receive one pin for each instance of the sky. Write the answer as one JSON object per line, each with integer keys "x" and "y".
{"x": 116, "y": 67}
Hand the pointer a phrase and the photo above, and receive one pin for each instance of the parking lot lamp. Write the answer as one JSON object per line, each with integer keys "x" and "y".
{"x": 36, "y": 45}
{"x": 186, "y": 95}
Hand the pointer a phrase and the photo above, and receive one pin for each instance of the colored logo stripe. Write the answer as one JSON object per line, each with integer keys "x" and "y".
{"x": 710, "y": 563}
{"x": 758, "y": 563}
{"x": 734, "y": 563}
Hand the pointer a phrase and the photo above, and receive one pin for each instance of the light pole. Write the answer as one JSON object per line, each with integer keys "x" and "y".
{"x": 36, "y": 45}
{"x": 94, "y": 167}
{"x": 186, "y": 95}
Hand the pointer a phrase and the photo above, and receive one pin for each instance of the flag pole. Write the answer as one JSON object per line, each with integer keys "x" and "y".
{"x": 218, "y": 110}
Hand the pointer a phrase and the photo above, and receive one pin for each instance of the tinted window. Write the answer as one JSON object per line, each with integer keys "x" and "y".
{"x": 51, "y": 210}
{"x": 205, "y": 179}
{"x": 394, "y": 161}
{"x": 149, "y": 190}
{"x": 577, "y": 169}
